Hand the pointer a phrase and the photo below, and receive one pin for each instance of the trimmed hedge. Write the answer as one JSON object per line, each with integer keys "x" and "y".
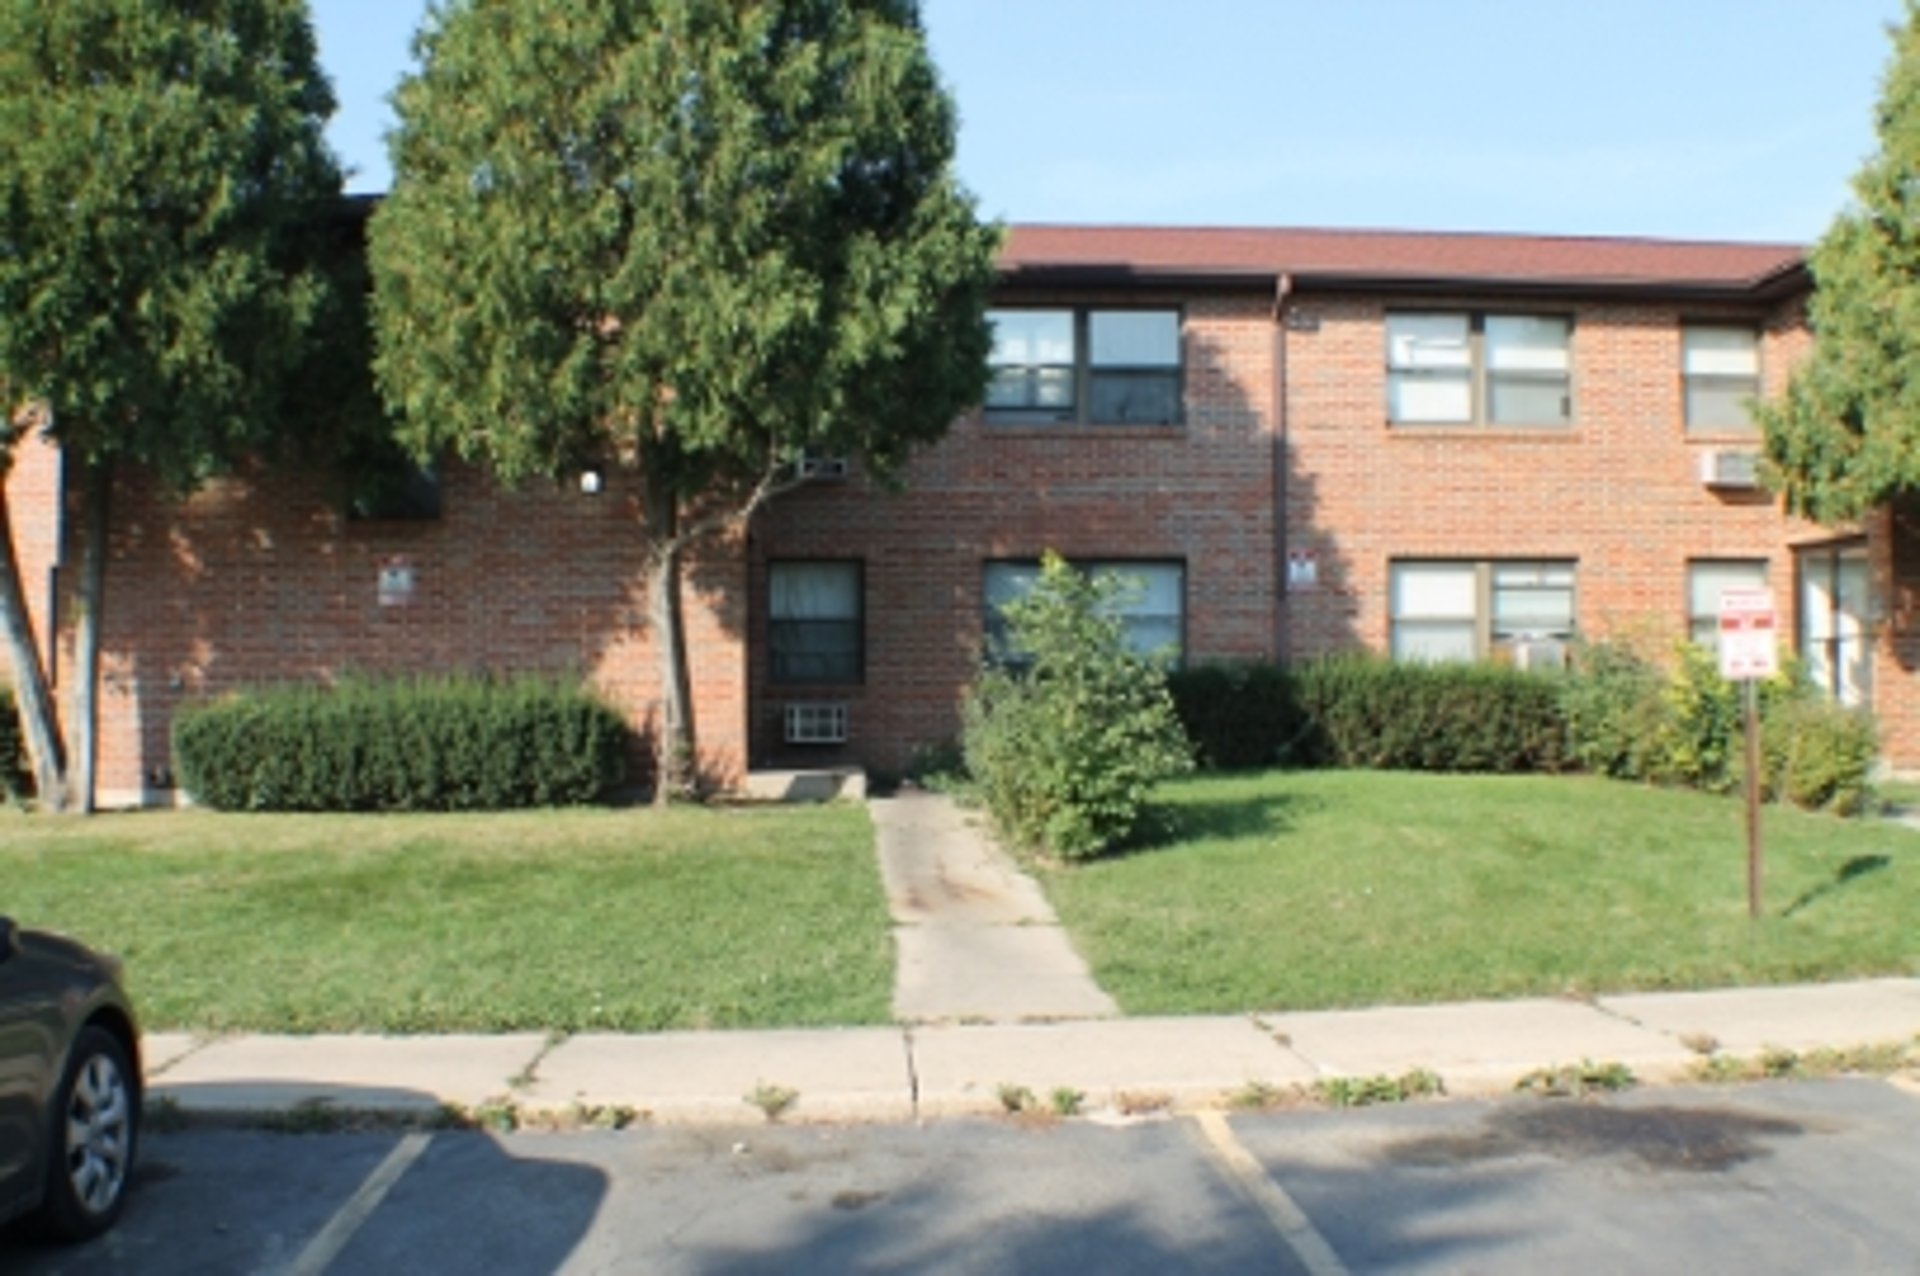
{"x": 15, "y": 779}
{"x": 1363, "y": 711}
{"x": 431, "y": 744}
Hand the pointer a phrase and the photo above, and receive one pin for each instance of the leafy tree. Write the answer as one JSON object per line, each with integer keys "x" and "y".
{"x": 689, "y": 238}
{"x": 1845, "y": 437}
{"x": 161, "y": 164}
{"x": 1068, "y": 735}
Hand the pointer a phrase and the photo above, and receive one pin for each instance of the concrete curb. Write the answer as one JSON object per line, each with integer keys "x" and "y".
{"x": 919, "y": 1072}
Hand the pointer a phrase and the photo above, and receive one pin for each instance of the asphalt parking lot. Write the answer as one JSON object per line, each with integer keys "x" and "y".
{"x": 1790, "y": 1177}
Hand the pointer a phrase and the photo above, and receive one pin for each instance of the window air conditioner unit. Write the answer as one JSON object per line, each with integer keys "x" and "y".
{"x": 815, "y": 466}
{"x": 1730, "y": 469}
{"x": 815, "y": 724}
{"x": 1539, "y": 653}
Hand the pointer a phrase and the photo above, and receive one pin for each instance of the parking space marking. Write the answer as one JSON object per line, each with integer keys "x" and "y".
{"x": 1287, "y": 1218}
{"x": 331, "y": 1239}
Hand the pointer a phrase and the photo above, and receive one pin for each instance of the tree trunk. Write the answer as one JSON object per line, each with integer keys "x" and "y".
{"x": 29, "y": 673}
{"x": 96, "y": 492}
{"x": 673, "y": 741}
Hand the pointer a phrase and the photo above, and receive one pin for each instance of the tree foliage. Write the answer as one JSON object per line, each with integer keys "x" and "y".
{"x": 690, "y": 238}
{"x": 162, "y": 172}
{"x": 697, "y": 236}
{"x": 1845, "y": 437}
{"x": 161, "y": 164}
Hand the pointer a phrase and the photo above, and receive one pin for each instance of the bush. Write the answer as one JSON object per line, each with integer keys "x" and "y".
{"x": 1416, "y": 717}
{"x": 1818, "y": 754}
{"x": 1067, "y": 745}
{"x": 15, "y": 778}
{"x": 441, "y": 744}
{"x": 1686, "y": 728}
{"x": 1242, "y": 715}
{"x": 1613, "y": 707}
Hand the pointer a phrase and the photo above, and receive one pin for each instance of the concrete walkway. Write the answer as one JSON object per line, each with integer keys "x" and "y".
{"x": 975, "y": 940}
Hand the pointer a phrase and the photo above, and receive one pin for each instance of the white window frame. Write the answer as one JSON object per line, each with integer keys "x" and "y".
{"x": 1717, "y": 365}
{"x": 780, "y": 674}
{"x": 1434, "y": 358}
{"x": 1492, "y": 580}
{"x": 1026, "y": 571}
{"x": 1086, "y": 373}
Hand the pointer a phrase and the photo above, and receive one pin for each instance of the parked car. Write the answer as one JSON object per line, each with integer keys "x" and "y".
{"x": 70, "y": 1087}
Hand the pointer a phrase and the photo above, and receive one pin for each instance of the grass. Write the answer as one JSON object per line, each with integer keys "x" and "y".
{"x": 1325, "y": 889}
{"x": 629, "y": 920}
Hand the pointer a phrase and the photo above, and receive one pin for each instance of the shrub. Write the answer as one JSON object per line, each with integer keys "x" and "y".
{"x": 441, "y": 744}
{"x": 1818, "y": 754}
{"x": 1613, "y": 708}
{"x": 1363, "y": 711}
{"x": 1373, "y": 713}
{"x": 15, "y": 779}
{"x": 1243, "y": 715}
{"x": 1685, "y": 727}
{"x": 1067, "y": 743}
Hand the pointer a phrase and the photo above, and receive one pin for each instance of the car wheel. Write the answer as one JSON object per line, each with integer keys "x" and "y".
{"x": 93, "y": 1128}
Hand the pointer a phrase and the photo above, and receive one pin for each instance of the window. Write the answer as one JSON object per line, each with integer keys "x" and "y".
{"x": 1705, "y": 581}
{"x": 1720, "y": 368}
{"x": 814, "y": 622}
{"x": 1151, "y": 606}
{"x": 1098, "y": 367}
{"x": 1835, "y": 638}
{"x": 1474, "y": 369}
{"x": 1446, "y": 611}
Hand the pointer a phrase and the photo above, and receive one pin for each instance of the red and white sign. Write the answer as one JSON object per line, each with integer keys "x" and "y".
{"x": 1747, "y": 647}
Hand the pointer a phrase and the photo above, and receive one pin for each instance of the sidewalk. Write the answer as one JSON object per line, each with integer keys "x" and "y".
{"x": 989, "y": 995}
{"x": 904, "y": 1073}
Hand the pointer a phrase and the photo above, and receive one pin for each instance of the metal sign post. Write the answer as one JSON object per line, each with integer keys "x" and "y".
{"x": 1747, "y": 654}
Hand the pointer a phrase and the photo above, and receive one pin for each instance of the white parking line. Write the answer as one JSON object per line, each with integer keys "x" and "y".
{"x": 331, "y": 1239}
{"x": 1288, "y": 1219}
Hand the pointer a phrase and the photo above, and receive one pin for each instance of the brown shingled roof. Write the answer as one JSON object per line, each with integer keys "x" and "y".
{"x": 1404, "y": 256}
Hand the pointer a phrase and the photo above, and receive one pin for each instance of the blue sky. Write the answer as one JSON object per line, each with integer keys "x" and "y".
{"x": 1717, "y": 119}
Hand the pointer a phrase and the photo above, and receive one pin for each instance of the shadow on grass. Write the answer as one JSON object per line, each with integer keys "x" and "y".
{"x": 1854, "y": 869}
{"x": 1167, "y": 825}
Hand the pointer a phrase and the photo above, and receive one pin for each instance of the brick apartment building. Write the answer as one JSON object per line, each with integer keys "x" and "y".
{"x": 1435, "y": 445}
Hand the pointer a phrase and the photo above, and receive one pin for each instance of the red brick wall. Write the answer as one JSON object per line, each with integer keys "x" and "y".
{"x": 1201, "y": 492}
{"x": 1617, "y": 490}
{"x": 260, "y": 579}
{"x": 33, "y": 506}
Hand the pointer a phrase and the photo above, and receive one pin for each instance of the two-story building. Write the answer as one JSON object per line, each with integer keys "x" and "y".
{"x": 1439, "y": 446}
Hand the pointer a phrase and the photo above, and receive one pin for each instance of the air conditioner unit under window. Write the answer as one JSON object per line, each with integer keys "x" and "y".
{"x": 1539, "y": 653}
{"x": 815, "y": 723}
{"x": 1721, "y": 468}
{"x": 814, "y": 466}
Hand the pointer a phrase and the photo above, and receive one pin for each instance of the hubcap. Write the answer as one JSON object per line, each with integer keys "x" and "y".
{"x": 97, "y": 1128}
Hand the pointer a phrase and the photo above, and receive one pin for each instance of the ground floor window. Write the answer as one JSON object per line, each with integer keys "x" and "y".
{"x": 1151, "y": 605}
{"x": 1707, "y": 579}
{"x": 1450, "y": 610}
{"x": 814, "y": 622}
{"x": 1835, "y": 603}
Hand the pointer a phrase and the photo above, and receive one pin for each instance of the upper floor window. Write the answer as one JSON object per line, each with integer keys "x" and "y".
{"x": 814, "y": 622}
{"x": 1479, "y": 369}
{"x": 1095, "y": 367}
{"x": 1720, "y": 367}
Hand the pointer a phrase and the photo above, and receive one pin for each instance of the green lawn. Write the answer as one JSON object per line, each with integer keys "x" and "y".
{"x": 1317, "y": 889}
{"x": 576, "y": 920}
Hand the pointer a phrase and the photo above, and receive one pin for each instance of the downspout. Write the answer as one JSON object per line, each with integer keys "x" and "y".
{"x": 1282, "y": 292}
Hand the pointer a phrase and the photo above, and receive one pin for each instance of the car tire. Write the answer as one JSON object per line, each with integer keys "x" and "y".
{"x": 92, "y": 1133}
